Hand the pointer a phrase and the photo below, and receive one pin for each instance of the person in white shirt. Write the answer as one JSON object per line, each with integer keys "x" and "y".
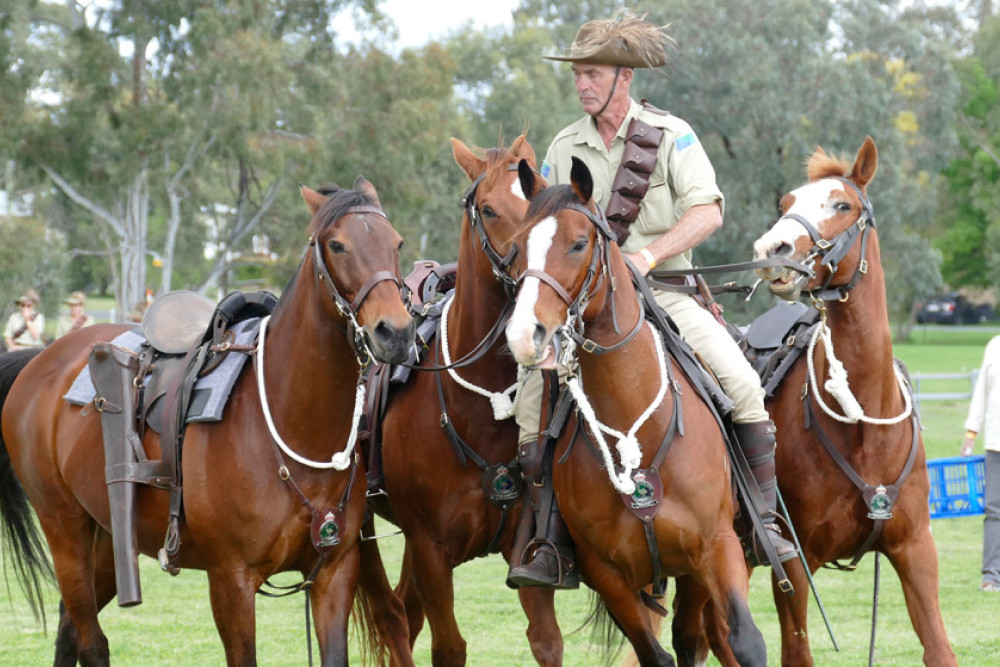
{"x": 984, "y": 418}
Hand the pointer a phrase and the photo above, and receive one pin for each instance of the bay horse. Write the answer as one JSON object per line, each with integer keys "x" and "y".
{"x": 665, "y": 507}
{"x": 255, "y": 482}
{"x": 444, "y": 446}
{"x": 850, "y": 458}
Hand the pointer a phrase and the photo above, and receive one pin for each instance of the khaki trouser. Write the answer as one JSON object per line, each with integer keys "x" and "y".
{"x": 706, "y": 336}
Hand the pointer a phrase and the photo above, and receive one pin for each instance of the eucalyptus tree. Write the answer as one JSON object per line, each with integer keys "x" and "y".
{"x": 765, "y": 82}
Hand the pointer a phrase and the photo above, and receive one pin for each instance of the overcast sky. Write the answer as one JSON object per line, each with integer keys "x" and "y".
{"x": 420, "y": 21}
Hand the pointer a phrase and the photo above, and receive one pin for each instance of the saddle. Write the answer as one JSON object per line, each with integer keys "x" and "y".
{"x": 775, "y": 340}
{"x": 187, "y": 336}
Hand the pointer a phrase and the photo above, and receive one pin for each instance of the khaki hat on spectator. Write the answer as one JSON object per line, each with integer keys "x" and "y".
{"x": 29, "y": 296}
{"x": 76, "y": 299}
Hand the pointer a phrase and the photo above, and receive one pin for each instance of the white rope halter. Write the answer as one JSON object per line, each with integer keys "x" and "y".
{"x": 629, "y": 450}
{"x": 341, "y": 459}
{"x": 838, "y": 387}
{"x": 503, "y": 405}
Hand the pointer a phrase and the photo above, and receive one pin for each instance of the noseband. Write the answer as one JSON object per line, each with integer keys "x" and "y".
{"x": 347, "y": 309}
{"x": 831, "y": 252}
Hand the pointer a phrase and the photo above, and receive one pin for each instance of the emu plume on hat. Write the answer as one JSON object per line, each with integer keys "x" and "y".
{"x": 626, "y": 40}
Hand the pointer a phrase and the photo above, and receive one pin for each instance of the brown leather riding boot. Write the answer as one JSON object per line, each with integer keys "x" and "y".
{"x": 758, "y": 443}
{"x": 548, "y": 559}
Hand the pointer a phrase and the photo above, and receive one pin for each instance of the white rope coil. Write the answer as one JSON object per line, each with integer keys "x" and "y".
{"x": 501, "y": 401}
{"x": 629, "y": 450}
{"x": 341, "y": 459}
{"x": 839, "y": 388}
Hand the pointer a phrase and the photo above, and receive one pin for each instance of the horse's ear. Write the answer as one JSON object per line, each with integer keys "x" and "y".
{"x": 866, "y": 164}
{"x": 362, "y": 186}
{"x": 467, "y": 160}
{"x": 581, "y": 180}
{"x": 522, "y": 149}
{"x": 314, "y": 200}
{"x": 526, "y": 177}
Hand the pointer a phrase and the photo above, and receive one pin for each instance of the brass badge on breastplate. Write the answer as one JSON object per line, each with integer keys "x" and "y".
{"x": 644, "y": 494}
{"x": 880, "y": 505}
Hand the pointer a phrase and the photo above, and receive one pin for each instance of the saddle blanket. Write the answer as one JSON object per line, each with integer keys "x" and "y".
{"x": 210, "y": 392}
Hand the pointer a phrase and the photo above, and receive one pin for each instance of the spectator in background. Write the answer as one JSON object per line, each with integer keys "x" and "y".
{"x": 77, "y": 318}
{"x": 984, "y": 417}
{"x": 26, "y": 327}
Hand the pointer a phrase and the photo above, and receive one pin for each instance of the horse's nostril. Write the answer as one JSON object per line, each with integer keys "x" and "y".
{"x": 538, "y": 337}
{"x": 782, "y": 249}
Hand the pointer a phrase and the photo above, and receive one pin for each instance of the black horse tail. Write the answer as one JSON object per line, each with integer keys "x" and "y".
{"x": 22, "y": 542}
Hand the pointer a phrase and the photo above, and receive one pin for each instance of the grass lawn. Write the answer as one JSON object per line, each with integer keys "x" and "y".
{"x": 174, "y": 624}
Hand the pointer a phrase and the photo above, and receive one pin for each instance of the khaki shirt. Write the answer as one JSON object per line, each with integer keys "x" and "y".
{"x": 683, "y": 177}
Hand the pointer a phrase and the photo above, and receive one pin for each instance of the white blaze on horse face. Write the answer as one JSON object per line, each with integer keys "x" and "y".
{"x": 814, "y": 202}
{"x": 521, "y": 328}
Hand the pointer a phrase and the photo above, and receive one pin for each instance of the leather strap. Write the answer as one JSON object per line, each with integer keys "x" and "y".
{"x": 639, "y": 159}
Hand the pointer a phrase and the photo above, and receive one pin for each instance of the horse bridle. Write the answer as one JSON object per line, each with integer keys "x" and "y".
{"x": 348, "y": 310}
{"x": 500, "y": 263}
{"x": 591, "y": 283}
{"x": 832, "y": 251}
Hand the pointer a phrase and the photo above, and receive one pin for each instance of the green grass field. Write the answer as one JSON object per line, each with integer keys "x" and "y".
{"x": 174, "y": 624}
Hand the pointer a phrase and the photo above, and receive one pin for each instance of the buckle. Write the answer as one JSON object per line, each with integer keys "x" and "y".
{"x": 588, "y": 346}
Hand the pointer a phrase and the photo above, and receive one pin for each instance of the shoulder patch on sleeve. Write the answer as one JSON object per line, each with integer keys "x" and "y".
{"x": 689, "y": 139}
{"x": 546, "y": 168}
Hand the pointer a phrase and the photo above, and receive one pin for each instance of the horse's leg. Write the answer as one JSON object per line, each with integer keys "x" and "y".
{"x": 388, "y": 613}
{"x": 406, "y": 590}
{"x": 231, "y": 589}
{"x": 917, "y": 565}
{"x": 626, "y": 606}
{"x": 656, "y": 623}
{"x": 331, "y": 599}
{"x": 543, "y": 629}
{"x": 729, "y": 585}
{"x": 73, "y": 560}
{"x": 689, "y": 634}
{"x": 433, "y": 577}
{"x": 67, "y": 638}
{"x": 793, "y": 613}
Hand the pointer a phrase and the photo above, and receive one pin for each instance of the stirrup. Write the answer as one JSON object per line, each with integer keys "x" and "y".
{"x": 537, "y": 573}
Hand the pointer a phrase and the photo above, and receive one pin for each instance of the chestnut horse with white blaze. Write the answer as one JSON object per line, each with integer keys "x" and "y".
{"x": 850, "y": 458}
{"x": 248, "y": 507}
{"x": 663, "y": 507}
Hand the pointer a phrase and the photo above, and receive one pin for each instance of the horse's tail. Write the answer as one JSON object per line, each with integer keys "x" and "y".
{"x": 604, "y": 630}
{"x": 373, "y": 649}
{"x": 22, "y": 543}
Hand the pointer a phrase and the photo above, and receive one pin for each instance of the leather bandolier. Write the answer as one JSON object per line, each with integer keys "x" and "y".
{"x": 631, "y": 182}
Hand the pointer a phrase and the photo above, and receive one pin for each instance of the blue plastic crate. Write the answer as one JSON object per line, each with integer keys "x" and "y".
{"x": 956, "y": 485}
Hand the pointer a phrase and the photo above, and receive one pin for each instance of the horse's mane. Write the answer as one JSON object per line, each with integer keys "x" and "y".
{"x": 550, "y": 200}
{"x": 821, "y": 165}
{"x": 340, "y": 199}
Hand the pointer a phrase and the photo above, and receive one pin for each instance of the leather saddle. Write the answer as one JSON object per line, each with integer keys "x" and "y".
{"x": 187, "y": 337}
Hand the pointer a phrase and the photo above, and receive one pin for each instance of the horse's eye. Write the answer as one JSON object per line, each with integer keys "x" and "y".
{"x": 488, "y": 212}
{"x": 579, "y": 246}
{"x": 399, "y": 247}
{"x": 842, "y": 207}
{"x": 336, "y": 247}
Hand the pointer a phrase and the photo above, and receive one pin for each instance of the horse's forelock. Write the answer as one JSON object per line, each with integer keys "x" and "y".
{"x": 821, "y": 165}
{"x": 338, "y": 202}
{"x": 550, "y": 200}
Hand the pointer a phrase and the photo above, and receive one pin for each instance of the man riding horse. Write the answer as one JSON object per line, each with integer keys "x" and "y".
{"x": 658, "y": 189}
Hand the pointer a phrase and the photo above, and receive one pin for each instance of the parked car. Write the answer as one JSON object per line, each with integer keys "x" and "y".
{"x": 954, "y": 308}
